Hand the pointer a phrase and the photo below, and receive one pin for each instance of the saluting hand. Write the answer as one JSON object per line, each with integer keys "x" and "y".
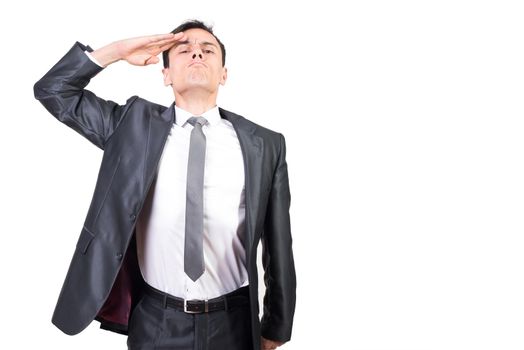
{"x": 139, "y": 51}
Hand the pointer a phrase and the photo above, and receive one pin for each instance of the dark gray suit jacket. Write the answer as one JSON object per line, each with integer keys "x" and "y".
{"x": 104, "y": 281}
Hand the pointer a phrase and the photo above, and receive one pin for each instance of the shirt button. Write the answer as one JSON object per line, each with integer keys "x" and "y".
{"x": 132, "y": 216}
{"x": 119, "y": 256}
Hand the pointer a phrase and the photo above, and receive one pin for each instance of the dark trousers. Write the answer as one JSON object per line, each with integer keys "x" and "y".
{"x": 153, "y": 326}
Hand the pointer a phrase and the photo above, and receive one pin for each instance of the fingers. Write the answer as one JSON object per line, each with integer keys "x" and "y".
{"x": 166, "y": 46}
{"x": 143, "y": 50}
{"x": 158, "y": 37}
{"x": 162, "y": 39}
{"x": 161, "y": 43}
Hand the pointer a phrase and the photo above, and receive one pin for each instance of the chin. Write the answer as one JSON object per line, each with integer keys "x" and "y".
{"x": 198, "y": 83}
{"x": 196, "y": 86}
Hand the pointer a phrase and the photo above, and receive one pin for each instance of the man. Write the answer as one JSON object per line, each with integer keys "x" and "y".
{"x": 167, "y": 253}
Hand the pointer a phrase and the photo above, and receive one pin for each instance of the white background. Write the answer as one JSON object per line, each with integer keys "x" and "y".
{"x": 404, "y": 127}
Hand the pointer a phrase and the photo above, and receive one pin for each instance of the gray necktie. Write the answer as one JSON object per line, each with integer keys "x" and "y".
{"x": 193, "y": 247}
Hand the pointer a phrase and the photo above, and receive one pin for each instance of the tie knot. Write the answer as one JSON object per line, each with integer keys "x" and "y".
{"x": 197, "y": 120}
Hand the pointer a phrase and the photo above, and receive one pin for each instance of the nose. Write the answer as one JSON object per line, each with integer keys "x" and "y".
{"x": 197, "y": 51}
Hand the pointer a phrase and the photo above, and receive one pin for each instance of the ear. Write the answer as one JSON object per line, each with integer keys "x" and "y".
{"x": 167, "y": 78}
{"x": 223, "y": 78}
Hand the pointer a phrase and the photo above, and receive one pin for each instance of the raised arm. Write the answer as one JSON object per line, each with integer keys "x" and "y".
{"x": 62, "y": 89}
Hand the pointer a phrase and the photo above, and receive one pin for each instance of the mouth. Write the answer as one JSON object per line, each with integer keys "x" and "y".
{"x": 197, "y": 64}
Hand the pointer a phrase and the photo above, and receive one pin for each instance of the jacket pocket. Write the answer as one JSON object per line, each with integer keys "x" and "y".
{"x": 84, "y": 240}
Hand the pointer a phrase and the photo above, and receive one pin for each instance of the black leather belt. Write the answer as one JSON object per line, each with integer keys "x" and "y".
{"x": 238, "y": 297}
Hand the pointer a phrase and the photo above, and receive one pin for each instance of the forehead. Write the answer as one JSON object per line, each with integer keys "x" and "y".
{"x": 197, "y": 35}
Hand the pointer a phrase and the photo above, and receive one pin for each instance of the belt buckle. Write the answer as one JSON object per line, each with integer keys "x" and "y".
{"x": 206, "y": 307}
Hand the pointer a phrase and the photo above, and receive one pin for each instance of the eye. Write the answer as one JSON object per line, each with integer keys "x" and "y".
{"x": 208, "y": 51}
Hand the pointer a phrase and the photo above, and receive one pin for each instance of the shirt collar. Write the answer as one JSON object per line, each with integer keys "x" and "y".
{"x": 212, "y": 115}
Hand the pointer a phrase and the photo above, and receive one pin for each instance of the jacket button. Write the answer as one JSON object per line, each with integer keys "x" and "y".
{"x": 132, "y": 216}
{"x": 119, "y": 256}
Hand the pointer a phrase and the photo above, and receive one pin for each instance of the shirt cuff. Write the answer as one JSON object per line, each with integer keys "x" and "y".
{"x": 93, "y": 59}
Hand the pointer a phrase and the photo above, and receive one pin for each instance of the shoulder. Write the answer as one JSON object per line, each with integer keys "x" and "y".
{"x": 139, "y": 102}
{"x": 241, "y": 121}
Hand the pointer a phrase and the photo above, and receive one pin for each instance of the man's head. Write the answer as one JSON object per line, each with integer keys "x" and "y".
{"x": 196, "y": 63}
{"x": 194, "y": 24}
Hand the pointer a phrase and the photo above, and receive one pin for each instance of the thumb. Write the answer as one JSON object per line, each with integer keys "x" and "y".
{"x": 152, "y": 60}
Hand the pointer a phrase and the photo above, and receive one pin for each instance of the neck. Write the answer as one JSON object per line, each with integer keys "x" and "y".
{"x": 195, "y": 103}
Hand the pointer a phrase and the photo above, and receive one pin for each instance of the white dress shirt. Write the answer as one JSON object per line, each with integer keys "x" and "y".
{"x": 160, "y": 226}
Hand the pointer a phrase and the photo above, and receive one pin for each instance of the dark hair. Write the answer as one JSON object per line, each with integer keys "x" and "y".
{"x": 192, "y": 24}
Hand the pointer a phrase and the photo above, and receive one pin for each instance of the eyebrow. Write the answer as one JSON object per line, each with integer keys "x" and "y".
{"x": 186, "y": 42}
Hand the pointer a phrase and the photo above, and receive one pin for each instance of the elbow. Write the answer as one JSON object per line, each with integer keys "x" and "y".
{"x": 39, "y": 90}
{"x": 48, "y": 97}
{"x": 45, "y": 88}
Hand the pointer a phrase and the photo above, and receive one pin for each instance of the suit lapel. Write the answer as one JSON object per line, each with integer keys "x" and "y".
{"x": 156, "y": 139}
{"x": 252, "y": 147}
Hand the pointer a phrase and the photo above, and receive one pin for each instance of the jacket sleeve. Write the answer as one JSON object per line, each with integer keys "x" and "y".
{"x": 277, "y": 257}
{"x": 62, "y": 92}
